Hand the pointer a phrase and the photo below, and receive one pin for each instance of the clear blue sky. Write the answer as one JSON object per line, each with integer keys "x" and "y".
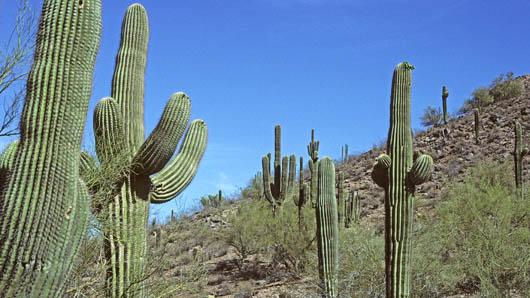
{"x": 325, "y": 64}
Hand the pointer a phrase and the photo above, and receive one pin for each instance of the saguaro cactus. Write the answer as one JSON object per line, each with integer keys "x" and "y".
{"x": 344, "y": 155}
{"x": 312, "y": 150}
{"x": 327, "y": 228}
{"x": 398, "y": 174}
{"x": 476, "y": 122}
{"x": 283, "y": 186}
{"x": 303, "y": 195}
{"x": 352, "y": 209}
{"x": 149, "y": 175}
{"x": 445, "y": 94}
{"x": 341, "y": 197}
{"x": 519, "y": 152}
{"x": 44, "y": 205}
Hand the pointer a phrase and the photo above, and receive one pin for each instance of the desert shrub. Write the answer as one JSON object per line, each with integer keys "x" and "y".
{"x": 479, "y": 240}
{"x": 480, "y": 98}
{"x": 212, "y": 201}
{"x": 431, "y": 117}
{"x": 254, "y": 189}
{"x": 253, "y": 229}
{"x": 505, "y": 86}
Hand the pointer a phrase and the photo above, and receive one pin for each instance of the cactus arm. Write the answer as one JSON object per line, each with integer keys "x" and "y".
{"x": 288, "y": 177}
{"x": 267, "y": 185}
{"x": 421, "y": 170}
{"x": 7, "y": 159}
{"x": 159, "y": 147}
{"x": 312, "y": 147}
{"x": 44, "y": 177}
{"x": 380, "y": 170}
{"x": 87, "y": 164}
{"x": 108, "y": 131}
{"x": 313, "y": 184}
{"x": 179, "y": 173}
{"x": 128, "y": 79}
{"x": 327, "y": 227}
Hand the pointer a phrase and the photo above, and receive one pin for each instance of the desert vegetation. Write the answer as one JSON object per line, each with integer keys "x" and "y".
{"x": 402, "y": 220}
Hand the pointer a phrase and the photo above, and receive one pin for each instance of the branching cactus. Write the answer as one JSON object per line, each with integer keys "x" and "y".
{"x": 352, "y": 209}
{"x": 519, "y": 153}
{"x": 312, "y": 150}
{"x": 399, "y": 174}
{"x": 445, "y": 95}
{"x": 284, "y": 174}
{"x": 149, "y": 174}
{"x": 341, "y": 197}
{"x": 344, "y": 156}
{"x": 327, "y": 228}
{"x": 476, "y": 122}
{"x": 44, "y": 205}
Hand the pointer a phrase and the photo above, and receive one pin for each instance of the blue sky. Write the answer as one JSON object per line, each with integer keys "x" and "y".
{"x": 250, "y": 64}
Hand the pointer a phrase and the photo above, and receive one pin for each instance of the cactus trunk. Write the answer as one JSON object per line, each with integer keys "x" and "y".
{"x": 44, "y": 206}
{"x": 327, "y": 228}
{"x": 476, "y": 122}
{"x": 519, "y": 153}
{"x": 445, "y": 94}
{"x": 398, "y": 174}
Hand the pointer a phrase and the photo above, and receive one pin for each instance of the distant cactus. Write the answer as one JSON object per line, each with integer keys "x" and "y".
{"x": 445, "y": 94}
{"x": 344, "y": 156}
{"x": 149, "y": 174}
{"x": 341, "y": 197}
{"x": 303, "y": 195}
{"x": 327, "y": 228}
{"x": 312, "y": 150}
{"x": 43, "y": 204}
{"x": 398, "y": 174}
{"x": 352, "y": 209}
{"x": 283, "y": 186}
{"x": 476, "y": 122}
{"x": 519, "y": 152}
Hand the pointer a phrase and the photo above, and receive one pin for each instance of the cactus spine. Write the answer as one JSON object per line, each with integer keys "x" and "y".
{"x": 398, "y": 174}
{"x": 149, "y": 175}
{"x": 283, "y": 186}
{"x": 327, "y": 227}
{"x": 341, "y": 197}
{"x": 445, "y": 94}
{"x": 43, "y": 205}
{"x": 312, "y": 150}
{"x": 476, "y": 117}
{"x": 519, "y": 153}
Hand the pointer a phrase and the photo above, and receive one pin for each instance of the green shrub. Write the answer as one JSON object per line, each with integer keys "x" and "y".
{"x": 212, "y": 201}
{"x": 431, "y": 117}
{"x": 479, "y": 241}
{"x": 505, "y": 86}
{"x": 253, "y": 229}
{"x": 480, "y": 98}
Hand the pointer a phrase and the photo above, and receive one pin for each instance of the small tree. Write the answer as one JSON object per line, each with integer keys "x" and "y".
{"x": 15, "y": 52}
{"x": 431, "y": 117}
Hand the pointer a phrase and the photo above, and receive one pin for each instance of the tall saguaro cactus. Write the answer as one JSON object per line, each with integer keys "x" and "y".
{"x": 519, "y": 152}
{"x": 149, "y": 175}
{"x": 303, "y": 195}
{"x": 398, "y": 174}
{"x": 476, "y": 123}
{"x": 283, "y": 186}
{"x": 445, "y": 95}
{"x": 44, "y": 205}
{"x": 352, "y": 209}
{"x": 341, "y": 198}
{"x": 327, "y": 228}
{"x": 312, "y": 150}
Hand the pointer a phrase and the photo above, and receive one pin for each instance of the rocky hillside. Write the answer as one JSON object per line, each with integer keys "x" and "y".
{"x": 453, "y": 149}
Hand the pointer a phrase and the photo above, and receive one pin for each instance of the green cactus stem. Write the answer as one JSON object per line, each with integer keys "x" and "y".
{"x": 312, "y": 147}
{"x": 303, "y": 194}
{"x": 327, "y": 228}
{"x": 476, "y": 122}
{"x": 344, "y": 156}
{"x": 284, "y": 174}
{"x": 341, "y": 196}
{"x": 398, "y": 173}
{"x": 312, "y": 150}
{"x": 149, "y": 174}
{"x": 43, "y": 205}
{"x": 519, "y": 152}
{"x": 352, "y": 209}
{"x": 445, "y": 95}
